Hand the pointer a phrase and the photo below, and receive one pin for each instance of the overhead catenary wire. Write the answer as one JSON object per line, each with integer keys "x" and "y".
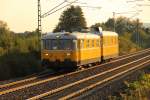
{"x": 91, "y": 7}
{"x": 55, "y": 7}
{"x": 49, "y": 13}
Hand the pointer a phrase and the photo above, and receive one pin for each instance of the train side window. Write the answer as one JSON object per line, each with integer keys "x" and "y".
{"x": 85, "y": 43}
{"x": 111, "y": 40}
{"x": 75, "y": 47}
{"x": 78, "y": 44}
{"x": 92, "y": 43}
{"x": 116, "y": 40}
{"x": 82, "y": 43}
{"x": 88, "y": 42}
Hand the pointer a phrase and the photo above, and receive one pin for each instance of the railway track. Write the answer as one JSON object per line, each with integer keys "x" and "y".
{"x": 40, "y": 76}
{"x": 62, "y": 82}
{"x": 33, "y": 78}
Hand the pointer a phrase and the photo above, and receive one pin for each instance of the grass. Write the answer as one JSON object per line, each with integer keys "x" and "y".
{"x": 137, "y": 90}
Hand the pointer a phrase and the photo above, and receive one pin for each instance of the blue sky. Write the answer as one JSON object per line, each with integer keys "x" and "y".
{"x": 21, "y": 15}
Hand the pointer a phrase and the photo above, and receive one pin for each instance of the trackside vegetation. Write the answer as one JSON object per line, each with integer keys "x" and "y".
{"x": 137, "y": 90}
{"x": 19, "y": 53}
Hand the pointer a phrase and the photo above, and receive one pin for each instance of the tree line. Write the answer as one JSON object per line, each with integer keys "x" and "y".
{"x": 19, "y": 53}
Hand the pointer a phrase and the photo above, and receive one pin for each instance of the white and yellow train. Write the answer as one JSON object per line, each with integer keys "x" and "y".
{"x": 75, "y": 49}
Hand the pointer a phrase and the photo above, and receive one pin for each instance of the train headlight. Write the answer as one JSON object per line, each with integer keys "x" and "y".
{"x": 46, "y": 54}
{"x": 68, "y": 54}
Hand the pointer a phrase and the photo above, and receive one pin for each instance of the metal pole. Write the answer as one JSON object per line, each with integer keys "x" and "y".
{"x": 39, "y": 24}
{"x": 39, "y": 20}
{"x": 138, "y": 35}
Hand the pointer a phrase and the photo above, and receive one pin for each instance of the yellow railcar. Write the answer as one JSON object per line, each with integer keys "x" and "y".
{"x": 74, "y": 49}
{"x": 110, "y": 45}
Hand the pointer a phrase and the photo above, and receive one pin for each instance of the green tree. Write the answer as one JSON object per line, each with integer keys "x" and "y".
{"x": 71, "y": 19}
{"x": 6, "y": 37}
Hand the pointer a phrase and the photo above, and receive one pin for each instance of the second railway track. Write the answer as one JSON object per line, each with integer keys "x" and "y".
{"x": 30, "y": 90}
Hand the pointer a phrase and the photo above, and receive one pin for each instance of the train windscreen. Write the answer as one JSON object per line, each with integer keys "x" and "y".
{"x": 58, "y": 44}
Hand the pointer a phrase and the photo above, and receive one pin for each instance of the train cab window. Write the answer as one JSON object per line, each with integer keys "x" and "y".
{"x": 54, "y": 45}
{"x": 66, "y": 44}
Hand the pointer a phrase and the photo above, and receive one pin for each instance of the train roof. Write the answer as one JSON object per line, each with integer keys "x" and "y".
{"x": 77, "y": 35}
{"x": 109, "y": 33}
{"x": 74, "y": 35}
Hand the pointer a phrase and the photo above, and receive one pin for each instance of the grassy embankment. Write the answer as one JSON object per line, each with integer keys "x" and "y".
{"x": 137, "y": 90}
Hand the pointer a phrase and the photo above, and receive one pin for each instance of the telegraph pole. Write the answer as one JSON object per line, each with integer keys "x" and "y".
{"x": 39, "y": 20}
{"x": 114, "y": 21}
{"x": 138, "y": 34}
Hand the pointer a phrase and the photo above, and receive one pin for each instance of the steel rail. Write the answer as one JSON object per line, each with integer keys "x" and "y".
{"x": 83, "y": 80}
{"x": 35, "y": 77}
{"x": 132, "y": 53}
{"x": 17, "y": 82}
